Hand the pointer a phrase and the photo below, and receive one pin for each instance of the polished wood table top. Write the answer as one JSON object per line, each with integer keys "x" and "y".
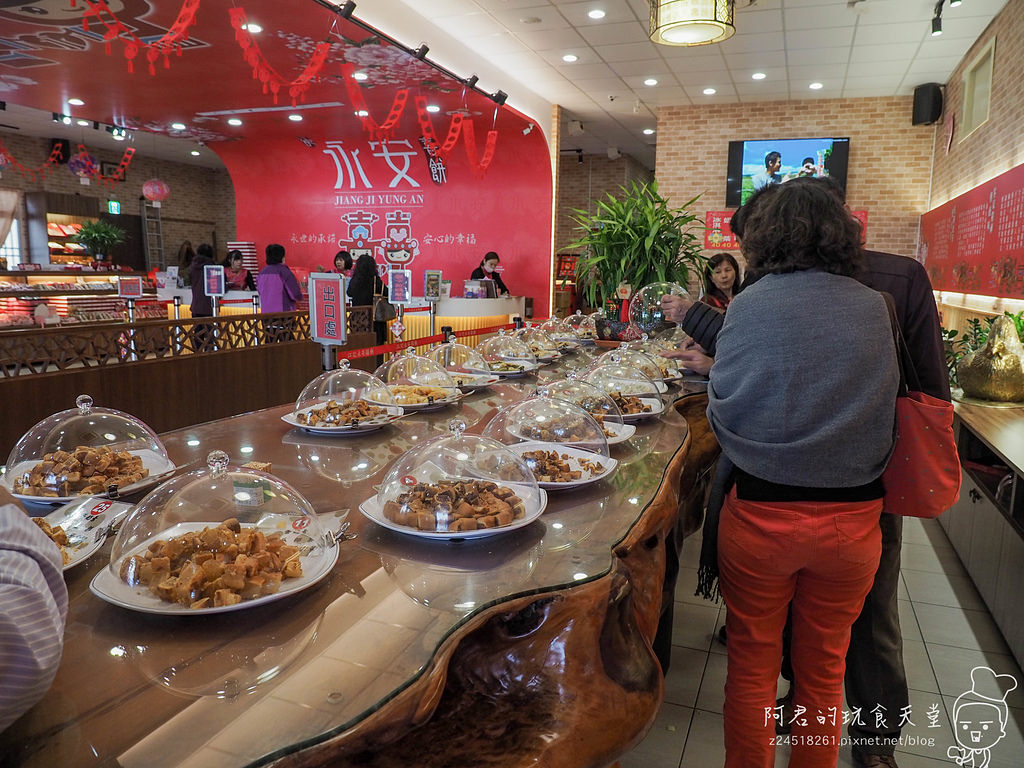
{"x": 248, "y": 687}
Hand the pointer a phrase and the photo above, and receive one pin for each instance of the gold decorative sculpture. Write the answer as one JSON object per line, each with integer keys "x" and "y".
{"x": 996, "y": 371}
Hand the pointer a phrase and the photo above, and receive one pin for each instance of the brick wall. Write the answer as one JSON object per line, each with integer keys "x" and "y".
{"x": 996, "y": 146}
{"x": 201, "y": 207}
{"x": 581, "y": 183}
{"x": 889, "y": 158}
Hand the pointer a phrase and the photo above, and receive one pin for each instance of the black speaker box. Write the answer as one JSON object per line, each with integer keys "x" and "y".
{"x": 927, "y": 104}
{"x": 65, "y": 151}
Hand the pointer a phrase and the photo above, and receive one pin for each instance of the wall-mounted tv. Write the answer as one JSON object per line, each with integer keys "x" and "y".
{"x": 796, "y": 157}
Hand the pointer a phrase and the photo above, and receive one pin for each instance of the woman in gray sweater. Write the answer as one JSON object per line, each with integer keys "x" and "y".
{"x": 802, "y": 399}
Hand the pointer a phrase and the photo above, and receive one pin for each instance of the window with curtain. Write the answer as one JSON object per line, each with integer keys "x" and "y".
{"x": 11, "y": 242}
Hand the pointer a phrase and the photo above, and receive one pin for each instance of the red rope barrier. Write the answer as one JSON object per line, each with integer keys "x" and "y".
{"x": 398, "y": 346}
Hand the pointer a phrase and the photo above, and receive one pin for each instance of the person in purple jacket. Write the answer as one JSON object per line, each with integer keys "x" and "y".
{"x": 279, "y": 290}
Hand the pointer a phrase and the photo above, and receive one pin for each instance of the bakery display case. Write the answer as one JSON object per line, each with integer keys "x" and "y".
{"x": 71, "y": 295}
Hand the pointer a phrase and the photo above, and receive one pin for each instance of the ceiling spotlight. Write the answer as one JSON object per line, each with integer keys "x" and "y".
{"x": 596, "y": 14}
{"x": 499, "y": 97}
{"x": 650, "y": 81}
{"x": 362, "y": 113}
{"x": 816, "y": 86}
{"x": 648, "y": 131}
{"x": 295, "y": 118}
{"x": 66, "y": 119}
{"x": 569, "y": 58}
{"x": 471, "y": 81}
{"x": 360, "y": 76}
{"x": 527, "y": 129}
{"x": 76, "y": 102}
{"x": 433, "y": 108}
{"x": 709, "y": 91}
{"x": 346, "y": 10}
{"x": 421, "y": 52}
{"x": 234, "y": 121}
{"x": 758, "y": 76}
{"x": 194, "y": 153}
{"x": 954, "y": 3}
{"x": 579, "y": 156}
{"x": 55, "y": 116}
{"x": 178, "y": 126}
{"x": 83, "y": 123}
{"x": 937, "y": 25}
{"x": 252, "y": 28}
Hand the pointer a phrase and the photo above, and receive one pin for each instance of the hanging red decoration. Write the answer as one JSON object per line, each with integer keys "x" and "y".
{"x": 84, "y": 165}
{"x": 262, "y": 71}
{"x": 427, "y": 129}
{"x": 156, "y": 190}
{"x": 37, "y": 173}
{"x": 380, "y": 131}
{"x": 478, "y": 167}
{"x": 171, "y": 41}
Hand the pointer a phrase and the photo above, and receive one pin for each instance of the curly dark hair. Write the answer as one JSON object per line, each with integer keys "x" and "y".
{"x": 798, "y": 227}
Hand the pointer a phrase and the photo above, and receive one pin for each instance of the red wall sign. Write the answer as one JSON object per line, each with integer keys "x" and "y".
{"x": 366, "y": 196}
{"x": 327, "y": 307}
{"x": 718, "y": 236}
{"x": 975, "y": 242}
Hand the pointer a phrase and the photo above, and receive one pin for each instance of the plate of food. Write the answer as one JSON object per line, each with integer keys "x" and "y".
{"x": 64, "y": 476}
{"x": 635, "y": 408}
{"x": 557, "y": 466}
{"x": 333, "y": 418}
{"x": 474, "y": 380}
{"x": 468, "y": 509}
{"x": 616, "y": 432}
{"x": 508, "y": 369}
{"x": 416, "y": 397}
{"x": 80, "y": 528}
{"x": 180, "y": 583}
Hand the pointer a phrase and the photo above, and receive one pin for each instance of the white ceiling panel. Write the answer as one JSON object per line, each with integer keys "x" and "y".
{"x": 840, "y": 37}
{"x": 628, "y": 52}
{"x": 815, "y": 56}
{"x": 892, "y": 52}
{"x": 537, "y": 17}
{"x": 644, "y": 68}
{"x": 753, "y": 43}
{"x": 616, "y": 34}
{"x": 884, "y": 34}
{"x": 822, "y": 72}
{"x": 818, "y": 17}
{"x": 547, "y": 40}
{"x": 891, "y": 81}
{"x": 750, "y": 20}
{"x": 757, "y": 62}
{"x": 615, "y": 11}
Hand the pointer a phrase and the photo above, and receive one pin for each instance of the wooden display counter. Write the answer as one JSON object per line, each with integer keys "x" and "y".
{"x": 526, "y": 648}
{"x": 986, "y": 525}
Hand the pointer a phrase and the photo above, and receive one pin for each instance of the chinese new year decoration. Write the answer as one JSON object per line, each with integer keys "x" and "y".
{"x": 379, "y": 131}
{"x": 266, "y": 74}
{"x": 478, "y": 167}
{"x": 156, "y": 190}
{"x": 427, "y": 130}
{"x": 39, "y": 172}
{"x": 100, "y": 13}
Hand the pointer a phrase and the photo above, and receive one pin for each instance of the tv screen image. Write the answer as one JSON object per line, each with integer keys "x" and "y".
{"x": 790, "y": 159}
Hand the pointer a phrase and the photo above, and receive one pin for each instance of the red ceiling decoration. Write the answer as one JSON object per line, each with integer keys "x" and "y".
{"x": 115, "y": 29}
{"x": 478, "y": 167}
{"x": 427, "y": 129}
{"x": 380, "y": 131}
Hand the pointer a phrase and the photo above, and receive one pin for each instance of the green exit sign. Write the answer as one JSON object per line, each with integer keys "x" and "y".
{"x": 113, "y": 207}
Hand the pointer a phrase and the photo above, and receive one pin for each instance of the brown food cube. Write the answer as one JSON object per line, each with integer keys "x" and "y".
{"x": 488, "y": 521}
{"x": 465, "y": 524}
{"x": 203, "y": 602}
{"x": 506, "y": 518}
{"x": 271, "y": 583}
{"x": 224, "y": 597}
{"x": 262, "y": 466}
{"x": 426, "y": 522}
{"x": 292, "y": 569}
{"x": 391, "y": 510}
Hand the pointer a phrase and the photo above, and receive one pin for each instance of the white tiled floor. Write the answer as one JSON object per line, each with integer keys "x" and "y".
{"x": 947, "y": 631}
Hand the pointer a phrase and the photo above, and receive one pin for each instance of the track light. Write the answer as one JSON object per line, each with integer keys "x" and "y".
{"x": 954, "y": 3}
{"x": 936, "y": 26}
{"x": 346, "y": 10}
{"x": 471, "y": 81}
{"x": 499, "y": 97}
{"x": 421, "y": 52}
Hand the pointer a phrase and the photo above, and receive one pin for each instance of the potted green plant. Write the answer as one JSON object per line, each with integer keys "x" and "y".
{"x": 99, "y": 237}
{"x": 636, "y": 238}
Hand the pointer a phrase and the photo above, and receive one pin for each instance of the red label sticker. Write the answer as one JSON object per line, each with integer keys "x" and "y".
{"x": 409, "y": 480}
{"x": 100, "y": 508}
{"x": 301, "y": 524}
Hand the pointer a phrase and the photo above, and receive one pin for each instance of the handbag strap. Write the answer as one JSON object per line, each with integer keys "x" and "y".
{"x": 909, "y": 381}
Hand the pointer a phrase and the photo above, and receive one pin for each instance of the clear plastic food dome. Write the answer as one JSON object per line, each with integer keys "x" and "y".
{"x": 645, "y": 306}
{"x": 416, "y": 381}
{"x": 558, "y": 331}
{"x": 594, "y": 401}
{"x": 345, "y": 398}
{"x": 584, "y": 326}
{"x": 215, "y": 539}
{"x": 507, "y": 355}
{"x": 673, "y": 337}
{"x": 634, "y": 358}
{"x": 547, "y": 420}
{"x": 84, "y": 451}
{"x": 544, "y": 348}
{"x": 458, "y": 358}
{"x": 457, "y": 485}
{"x": 634, "y": 393}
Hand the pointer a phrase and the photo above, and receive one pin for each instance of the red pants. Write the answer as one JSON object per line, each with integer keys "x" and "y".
{"x": 821, "y": 557}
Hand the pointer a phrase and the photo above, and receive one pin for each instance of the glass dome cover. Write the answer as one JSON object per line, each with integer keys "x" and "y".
{"x": 458, "y": 484}
{"x": 556, "y": 328}
{"x": 633, "y": 358}
{"x": 584, "y": 326}
{"x": 417, "y": 380}
{"x": 584, "y": 394}
{"x": 339, "y": 398}
{"x": 645, "y": 306}
{"x": 621, "y": 379}
{"x": 458, "y": 358}
{"x": 507, "y": 354}
{"x": 84, "y": 451}
{"x": 547, "y": 420}
{"x": 541, "y": 345}
{"x": 262, "y": 539}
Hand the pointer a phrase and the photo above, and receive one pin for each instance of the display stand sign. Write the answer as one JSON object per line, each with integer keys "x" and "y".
{"x": 399, "y": 286}
{"x": 214, "y": 283}
{"x": 432, "y": 284}
{"x": 129, "y": 287}
{"x": 327, "y": 308}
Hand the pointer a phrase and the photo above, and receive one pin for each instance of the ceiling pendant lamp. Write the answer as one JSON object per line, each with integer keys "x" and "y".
{"x": 691, "y": 22}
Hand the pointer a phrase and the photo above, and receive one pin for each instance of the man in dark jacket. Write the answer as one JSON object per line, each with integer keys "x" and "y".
{"x": 875, "y": 676}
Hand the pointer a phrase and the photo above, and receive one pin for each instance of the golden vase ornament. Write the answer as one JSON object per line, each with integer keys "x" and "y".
{"x": 996, "y": 371}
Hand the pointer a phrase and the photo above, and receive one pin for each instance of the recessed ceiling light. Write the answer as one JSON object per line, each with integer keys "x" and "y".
{"x": 597, "y": 13}
{"x": 710, "y": 91}
{"x": 178, "y": 126}
{"x": 234, "y": 121}
{"x": 76, "y": 102}
{"x": 194, "y": 153}
{"x": 815, "y": 86}
{"x": 650, "y": 81}
{"x": 252, "y": 28}
{"x": 117, "y": 136}
{"x": 648, "y": 131}
{"x": 83, "y": 122}
{"x": 66, "y": 119}
{"x": 295, "y": 118}
{"x": 433, "y": 108}
{"x": 360, "y": 76}
{"x": 530, "y": 20}
{"x": 362, "y": 113}
{"x": 570, "y": 58}
{"x": 758, "y": 76}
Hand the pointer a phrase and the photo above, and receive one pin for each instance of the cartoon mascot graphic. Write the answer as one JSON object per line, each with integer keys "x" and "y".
{"x": 979, "y": 717}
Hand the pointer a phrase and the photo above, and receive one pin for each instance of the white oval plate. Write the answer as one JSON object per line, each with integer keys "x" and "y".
{"x": 394, "y": 413}
{"x": 157, "y": 465}
{"x": 657, "y": 407}
{"x": 527, "y": 368}
{"x": 474, "y": 380}
{"x": 371, "y": 509}
{"x": 621, "y": 432}
{"x": 86, "y": 521}
{"x": 574, "y": 454}
{"x": 106, "y": 586}
{"x": 437, "y": 404}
